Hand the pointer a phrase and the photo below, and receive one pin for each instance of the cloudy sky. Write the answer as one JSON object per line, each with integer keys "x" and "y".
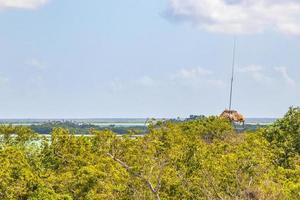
{"x": 158, "y": 58}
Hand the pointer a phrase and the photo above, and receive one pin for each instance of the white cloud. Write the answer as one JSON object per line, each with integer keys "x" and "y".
{"x": 192, "y": 73}
{"x": 3, "y": 80}
{"x": 22, "y": 4}
{"x": 285, "y": 75}
{"x": 239, "y": 16}
{"x": 256, "y": 72}
{"x": 117, "y": 85}
{"x": 196, "y": 77}
{"x": 216, "y": 83}
{"x": 36, "y": 64}
{"x": 146, "y": 81}
{"x": 193, "y": 78}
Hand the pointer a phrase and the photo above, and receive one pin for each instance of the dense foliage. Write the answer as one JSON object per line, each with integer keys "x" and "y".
{"x": 197, "y": 159}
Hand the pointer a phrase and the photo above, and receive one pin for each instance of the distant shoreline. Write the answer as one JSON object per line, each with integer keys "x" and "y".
{"x": 107, "y": 122}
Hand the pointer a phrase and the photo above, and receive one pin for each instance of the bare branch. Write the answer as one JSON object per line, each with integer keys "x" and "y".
{"x": 148, "y": 183}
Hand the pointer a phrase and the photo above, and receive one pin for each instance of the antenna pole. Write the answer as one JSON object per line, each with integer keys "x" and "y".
{"x": 232, "y": 72}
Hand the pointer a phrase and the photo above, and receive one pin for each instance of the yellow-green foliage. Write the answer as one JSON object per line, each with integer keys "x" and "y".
{"x": 200, "y": 159}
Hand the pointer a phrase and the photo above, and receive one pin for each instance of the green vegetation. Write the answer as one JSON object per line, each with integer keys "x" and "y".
{"x": 46, "y": 128}
{"x": 202, "y": 158}
{"x": 83, "y": 129}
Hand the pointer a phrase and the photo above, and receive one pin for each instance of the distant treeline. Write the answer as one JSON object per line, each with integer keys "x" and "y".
{"x": 85, "y": 128}
{"x": 77, "y": 128}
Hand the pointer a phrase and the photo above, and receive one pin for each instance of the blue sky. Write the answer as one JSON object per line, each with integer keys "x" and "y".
{"x": 158, "y": 58}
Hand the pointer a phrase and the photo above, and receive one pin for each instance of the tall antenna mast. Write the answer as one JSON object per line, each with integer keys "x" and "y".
{"x": 232, "y": 72}
{"x": 232, "y": 115}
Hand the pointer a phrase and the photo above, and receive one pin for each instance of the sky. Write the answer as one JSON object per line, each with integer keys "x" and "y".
{"x": 158, "y": 58}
